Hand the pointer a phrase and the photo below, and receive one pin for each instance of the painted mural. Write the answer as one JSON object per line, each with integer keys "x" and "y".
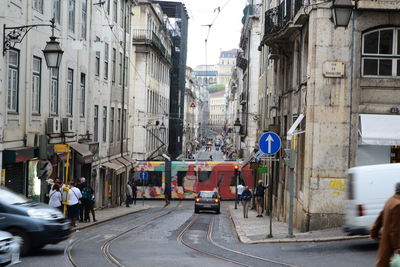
{"x": 188, "y": 178}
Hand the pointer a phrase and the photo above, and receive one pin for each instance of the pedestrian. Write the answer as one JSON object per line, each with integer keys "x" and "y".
{"x": 167, "y": 194}
{"x": 50, "y": 184}
{"x": 246, "y": 198}
{"x": 74, "y": 196}
{"x": 239, "y": 189}
{"x": 87, "y": 197}
{"x": 388, "y": 219}
{"x": 134, "y": 193}
{"x": 128, "y": 194}
{"x": 259, "y": 197}
{"x": 91, "y": 209}
{"x": 81, "y": 207}
{"x": 56, "y": 197}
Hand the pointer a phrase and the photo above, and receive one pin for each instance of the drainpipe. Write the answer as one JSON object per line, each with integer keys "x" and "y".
{"x": 123, "y": 82}
{"x": 351, "y": 87}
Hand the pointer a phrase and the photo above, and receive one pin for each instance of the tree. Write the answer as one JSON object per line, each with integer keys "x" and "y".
{"x": 216, "y": 88}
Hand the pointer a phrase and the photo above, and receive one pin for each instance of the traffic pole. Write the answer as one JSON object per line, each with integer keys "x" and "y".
{"x": 271, "y": 186}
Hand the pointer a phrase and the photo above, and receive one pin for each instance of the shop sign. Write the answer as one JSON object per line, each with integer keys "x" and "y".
{"x": 61, "y": 148}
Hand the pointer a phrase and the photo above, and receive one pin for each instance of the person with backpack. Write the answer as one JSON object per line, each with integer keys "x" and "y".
{"x": 134, "y": 193}
{"x": 259, "y": 197}
{"x": 87, "y": 196}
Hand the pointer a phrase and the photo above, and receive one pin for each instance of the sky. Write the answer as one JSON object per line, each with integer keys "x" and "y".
{"x": 224, "y": 33}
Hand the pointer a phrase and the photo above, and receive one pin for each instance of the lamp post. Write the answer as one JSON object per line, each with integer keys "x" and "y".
{"x": 341, "y": 12}
{"x": 52, "y": 52}
{"x": 237, "y": 126}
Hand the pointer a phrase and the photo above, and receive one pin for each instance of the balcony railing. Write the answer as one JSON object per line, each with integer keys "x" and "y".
{"x": 148, "y": 36}
{"x": 278, "y": 17}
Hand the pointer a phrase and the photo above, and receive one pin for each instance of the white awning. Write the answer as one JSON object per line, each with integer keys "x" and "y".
{"x": 381, "y": 130}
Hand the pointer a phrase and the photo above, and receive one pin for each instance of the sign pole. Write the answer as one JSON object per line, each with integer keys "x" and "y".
{"x": 271, "y": 186}
{"x": 143, "y": 189}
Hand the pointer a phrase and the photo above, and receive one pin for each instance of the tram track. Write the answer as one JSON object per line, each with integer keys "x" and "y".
{"x": 105, "y": 247}
{"x": 244, "y": 257}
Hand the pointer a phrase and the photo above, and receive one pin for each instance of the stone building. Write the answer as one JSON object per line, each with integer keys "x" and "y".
{"x": 344, "y": 81}
{"x": 69, "y": 105}
{"x": 217, "y": 113}
{"x": 226, "y": 62}
{"x": 152, "y": 48}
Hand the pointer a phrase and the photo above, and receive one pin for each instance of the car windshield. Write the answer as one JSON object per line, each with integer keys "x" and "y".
{"x": 207, "y": 194}
{"x": 8, "y": 197}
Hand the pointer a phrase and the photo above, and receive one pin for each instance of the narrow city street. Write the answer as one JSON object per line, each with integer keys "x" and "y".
{"x": 175, "y": 236}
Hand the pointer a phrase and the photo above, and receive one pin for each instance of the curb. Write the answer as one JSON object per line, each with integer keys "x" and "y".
{"x": 245, "y": 240}
{"x": 77, "y": 229}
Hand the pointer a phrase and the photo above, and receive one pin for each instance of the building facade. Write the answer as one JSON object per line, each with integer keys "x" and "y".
{"x": 217, "y": 115}
{"x": 226, "y": 62}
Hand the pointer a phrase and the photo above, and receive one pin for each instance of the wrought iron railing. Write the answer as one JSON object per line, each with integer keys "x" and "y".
{"x": 278, "y": 17}
{"x": 144, "y": 35}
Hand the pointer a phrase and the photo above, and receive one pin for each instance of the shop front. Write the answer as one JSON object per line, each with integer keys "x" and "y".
{"x": 379, "y": 139}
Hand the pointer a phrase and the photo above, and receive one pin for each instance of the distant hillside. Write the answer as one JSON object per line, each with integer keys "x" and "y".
{"x": 216, "y": 88}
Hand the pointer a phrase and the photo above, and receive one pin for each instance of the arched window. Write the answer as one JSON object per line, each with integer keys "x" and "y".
{"x": 381, "y": 52}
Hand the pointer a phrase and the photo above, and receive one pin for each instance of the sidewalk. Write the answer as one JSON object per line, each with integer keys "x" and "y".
{"x": 255, "y": 230}
{"x": 107, "y": 214}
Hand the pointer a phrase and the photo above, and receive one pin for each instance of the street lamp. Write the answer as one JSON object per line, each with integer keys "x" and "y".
{"x": 341, "y": 12}
{"x": 237, "y": 125}
{"x": 52, "y": 52}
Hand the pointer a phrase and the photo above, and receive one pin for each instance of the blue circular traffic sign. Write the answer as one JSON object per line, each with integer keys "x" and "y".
{"x": 270, "y": 143}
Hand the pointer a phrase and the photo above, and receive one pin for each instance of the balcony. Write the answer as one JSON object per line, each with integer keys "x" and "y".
{"x": 281, "y": 18}
{"x": 151, "y": 38}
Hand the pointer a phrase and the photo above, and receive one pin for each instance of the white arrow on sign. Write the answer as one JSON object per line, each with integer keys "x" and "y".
{"x": 269, "y": 140}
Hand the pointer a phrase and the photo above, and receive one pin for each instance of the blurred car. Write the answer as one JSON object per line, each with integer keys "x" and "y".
{"x": 217, "y": 143}
{"x": 9, "y": 249}
{"x": 34, "y": 224}
{"x": 207, "y": 200}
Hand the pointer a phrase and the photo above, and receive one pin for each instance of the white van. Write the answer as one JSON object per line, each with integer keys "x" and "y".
{"x": 368, "y": 189}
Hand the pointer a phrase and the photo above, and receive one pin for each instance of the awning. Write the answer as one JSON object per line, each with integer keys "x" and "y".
{"x": 124, "y": 162}
{"x": 118, "y": 168}
{"x": 122, "y": 167}
{"x": 18, "y": 154}
{"x": 247, "y": 161}
{"x": 83, "y": 150}
{"x": 381, "y": 130}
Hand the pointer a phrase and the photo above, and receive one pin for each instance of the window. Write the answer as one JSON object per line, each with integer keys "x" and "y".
{"x": 106, "y": 47}
{"x": 96, "y": 123}
{"x": 104, "y": 124}
{"x": 124, "y": 120}
{"x": 84, "y": 19}
{"x": 120, "y": 68}
{"x": 108, "y": 7}
{"x": 381, "y": 53}
{"x": 121, "y": 13}
{"x": 83, "y": 95}
{"x": 112, "y": 126}
{"x": 36, "y": 77}
{"x": 54, "y": 92}
{"x": 126, "y": 71}
{"x": 70, "y": 91}
{"x": 115, "y": 11}
{"x": 119, "y": 125}
{"x": 97, "y": 60}
{"x": 56, "y": 10}
{"x": 38, "y": 5}
{"x": 71, "y": 15}
{"x": 13, "y": 77}
{"x": 114, "y": 59}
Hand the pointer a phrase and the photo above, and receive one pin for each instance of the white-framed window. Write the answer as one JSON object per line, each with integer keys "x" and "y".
{"x": 124, "y": 120}
{"x": 119, "y": 125}
{"x": 70, "y": 91}
{"x": 36, "y": 84}
{"x": 104, "y": 124}
{"x": 84, "y": 20}
{"x": 114, "y": 62}
{"x": 56, "y": 10}
{"x": 120, "y": 68}
{"x": 126, "y": 71}
{"x": 108, "y": 6}
{"x": 112, "y": 114}
{"x": 71, "y": 15}
{"x": 38, "y": 5}
{"x": 82, "y": 104}
{"x": 96, "y": 123}
{"x": 106, "y": 55}
{"x": 381, "y": 53}
{"x": 115, "y": 11}
{"x": 54, "y": 92}
{"x": 13, "y": 78}
{"x": 97, "y": 61}
{"x": 121, "y": 13}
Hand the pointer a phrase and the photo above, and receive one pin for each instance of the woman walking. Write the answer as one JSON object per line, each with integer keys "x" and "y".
{"x": 55, "y": 197}
{"x": 246, "y": 197}
{"x": 74, "y": 196}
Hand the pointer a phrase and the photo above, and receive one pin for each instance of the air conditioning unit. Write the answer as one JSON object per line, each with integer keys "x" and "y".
{"x": 53, "y": 126}
{"x": 67, "y": 125}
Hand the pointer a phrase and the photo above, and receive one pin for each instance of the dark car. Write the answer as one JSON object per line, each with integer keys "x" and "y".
{"x": 207, "y": 200}
{"x": 35, "y": 224}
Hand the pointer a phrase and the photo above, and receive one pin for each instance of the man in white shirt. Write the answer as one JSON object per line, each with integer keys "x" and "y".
{"x": 240, "y": 189}
{"x": 74, "y": 196}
